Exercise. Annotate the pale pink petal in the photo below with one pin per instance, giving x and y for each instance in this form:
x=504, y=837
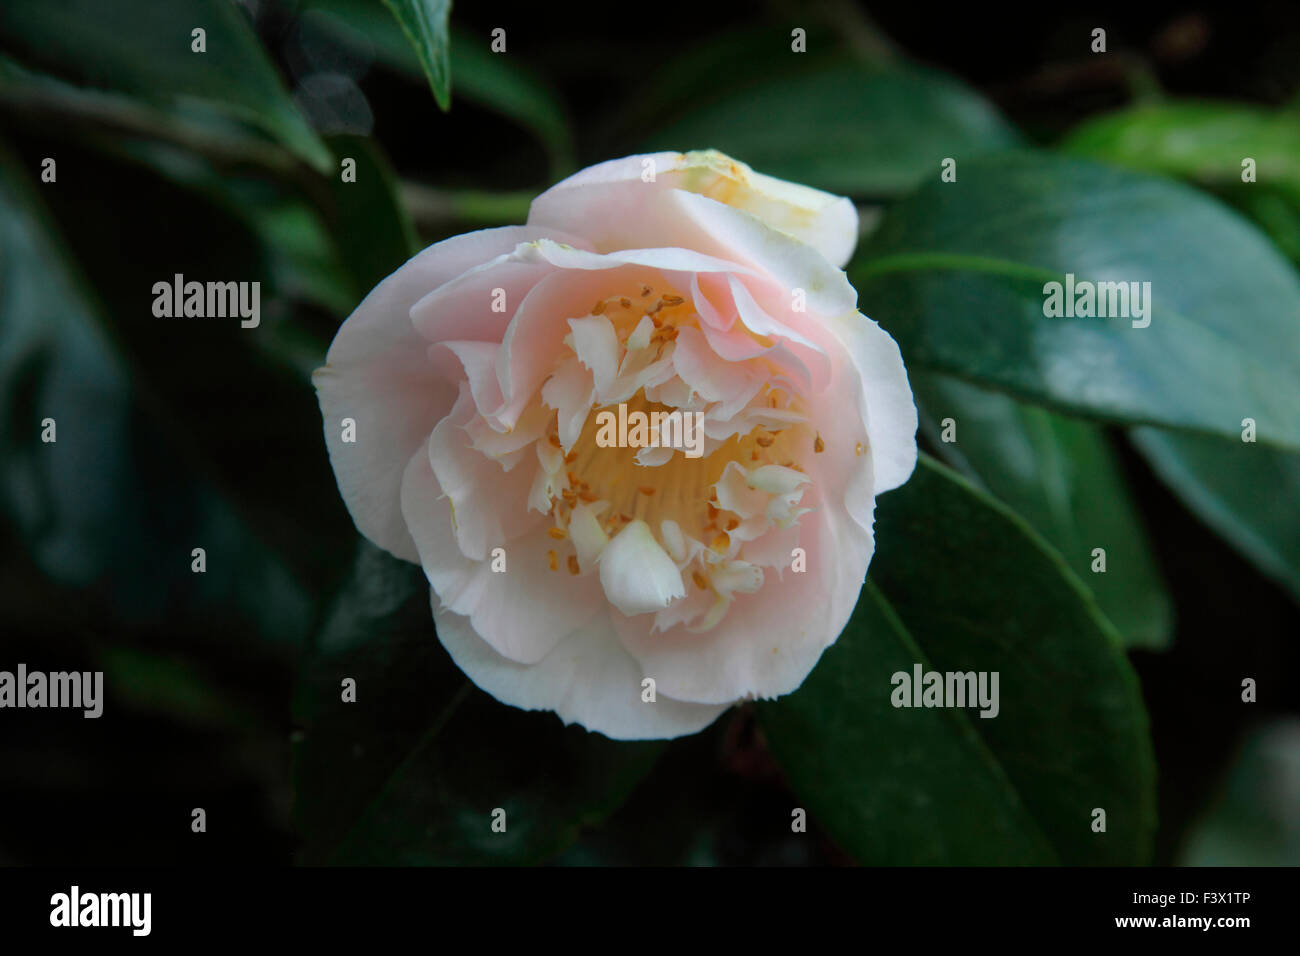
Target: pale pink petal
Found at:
x=596, y=201
x=588, y=679
x=769, y=641
x=489, y=504
x=378, y=373
x=522, y=612
x=887, y=405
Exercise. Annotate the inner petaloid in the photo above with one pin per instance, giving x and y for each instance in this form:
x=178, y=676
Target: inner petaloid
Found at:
x=680, y=532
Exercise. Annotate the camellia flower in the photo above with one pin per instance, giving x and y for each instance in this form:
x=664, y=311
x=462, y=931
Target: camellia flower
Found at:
x=608, y=573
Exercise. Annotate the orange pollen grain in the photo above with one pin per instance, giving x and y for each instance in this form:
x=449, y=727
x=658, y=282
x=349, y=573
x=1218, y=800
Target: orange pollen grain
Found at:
x=559, y=534
x=553, y=560
x=819, y=446
x=573, y=564
x=700, y=580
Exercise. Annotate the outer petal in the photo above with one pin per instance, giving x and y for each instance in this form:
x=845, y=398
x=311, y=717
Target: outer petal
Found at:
x=378, y=373
x=525, y=611
x=582, y=202
x=587, y=679
x=887, y=405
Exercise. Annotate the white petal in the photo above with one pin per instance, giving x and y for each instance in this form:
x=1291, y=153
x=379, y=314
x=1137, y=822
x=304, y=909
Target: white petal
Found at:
x=638, y=575
x=596, y=345
x=589, y=538
x=776, y=479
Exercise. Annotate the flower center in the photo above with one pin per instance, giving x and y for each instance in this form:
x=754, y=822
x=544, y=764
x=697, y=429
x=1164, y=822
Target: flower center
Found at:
x=694, y=531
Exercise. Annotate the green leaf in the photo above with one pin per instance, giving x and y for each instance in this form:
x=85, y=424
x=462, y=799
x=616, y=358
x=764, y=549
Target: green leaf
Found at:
x=425, y=24
x=957, y=273
x=1201, y=141
x=411, y=772
x=846, y=128
x=1247, y=492
x=370, y=225
x=959, y=584
x=1206, y=142
x=1061, y=476
x=112, y=508
x=144, y=49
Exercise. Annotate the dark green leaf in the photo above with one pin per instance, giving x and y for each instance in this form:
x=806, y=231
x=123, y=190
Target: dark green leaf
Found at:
x=144, y=48
x=371, y=227
x=411, y=772
x=1061, y=476
x=957, y=273
x=1247, y=492
x=846, y=128
x=961, y=584
x=425, y=24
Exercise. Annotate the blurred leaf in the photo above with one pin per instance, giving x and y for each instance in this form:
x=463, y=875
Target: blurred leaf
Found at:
x=370, y=225
x=1276, y=214
x=1060, y=475
x=846, y=128
x=957, y=272
x=425, y=24
x=411, y=772
x=148, y=230
x=1247, y=492
x=712, y=67
x=1256, y=821
x=1202, y=141
x=143, y=48
x=124, y=121
x=962, y=584
x=172, y=688
x=497, y=82
x=110, y=508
